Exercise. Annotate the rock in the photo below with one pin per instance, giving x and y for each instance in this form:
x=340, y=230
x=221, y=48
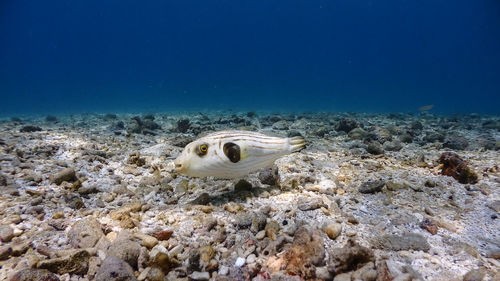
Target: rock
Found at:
x=114, y=269
x=163, y=261
x=163, y=234
x=333, y=230
x=306, y=203
x=431, y=137
x=343, y=277
x=403, y=277
x=349, y=257
x=242, y=185
x=125, y=248
x=456, y=167
x=32, y=274
x=5, y=251
x=151, y=274
x=6, y=233
x=202, y=199
x=494, y=205
x=147, y=240
x=20, y=246
x=455, y=142
x=408, y=241
x=475, y=275
x=357, y=134
x=86, y=190
x=85, y=233
x=375, y=148
x=280, y=125
x=347, y=124
x=67, y=174
x=183, y=125
x=199, y=275
x=30, y=129
x=429, y=225
x=416, y=125
x=269, y=176
x=75, y=263
x=406, y=138
x=394, y=145
x=371, y=186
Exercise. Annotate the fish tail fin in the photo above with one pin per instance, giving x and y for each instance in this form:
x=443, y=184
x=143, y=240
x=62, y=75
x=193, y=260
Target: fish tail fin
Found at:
x=297, y=143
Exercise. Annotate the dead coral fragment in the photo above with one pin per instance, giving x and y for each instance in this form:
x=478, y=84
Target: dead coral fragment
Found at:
x=306, y=252
x=348, y=258
x=456, y=167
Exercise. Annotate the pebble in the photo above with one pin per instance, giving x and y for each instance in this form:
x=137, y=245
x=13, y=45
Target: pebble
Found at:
x=125, y=248
x=147, y=240
x=223, y=270
x=67, y=174
x=32, y=274
x=239, y=262
x=333, y=230
x=251, y=258
x=199, y=275
x=5, y=251
x=371, y=186
x=260, y=235
x=407, y=241
x=85, y=233
x=307, y=204
x=75, y=263
x=6, y=233
x=113, y=268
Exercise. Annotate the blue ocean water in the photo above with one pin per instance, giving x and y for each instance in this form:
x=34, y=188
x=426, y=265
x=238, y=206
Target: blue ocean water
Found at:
x=65, y=56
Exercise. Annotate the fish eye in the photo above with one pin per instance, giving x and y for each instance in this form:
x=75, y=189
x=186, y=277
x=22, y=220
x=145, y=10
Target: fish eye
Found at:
x=203, y=149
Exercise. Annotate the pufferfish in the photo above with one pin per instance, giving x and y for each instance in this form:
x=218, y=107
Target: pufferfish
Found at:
x=233, y=154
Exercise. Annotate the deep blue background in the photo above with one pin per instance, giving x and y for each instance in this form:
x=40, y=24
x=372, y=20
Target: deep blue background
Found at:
x=345, y=55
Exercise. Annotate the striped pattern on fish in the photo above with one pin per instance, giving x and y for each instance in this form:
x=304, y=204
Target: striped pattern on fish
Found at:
x=233, y=154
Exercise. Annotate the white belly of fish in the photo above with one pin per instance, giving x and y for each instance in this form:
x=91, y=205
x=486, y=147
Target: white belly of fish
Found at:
x=233, y=154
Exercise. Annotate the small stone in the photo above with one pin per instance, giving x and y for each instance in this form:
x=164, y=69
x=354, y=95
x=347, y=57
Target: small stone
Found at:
x=202, y=199
x=85, y=233
x=147, y=240
x=20, y=247
x=239, y=262
x=333, y=230
x=114, y=269
x=260, y=235
x=475, y=275
x=408, y=241
x=307, y=204
x=494, y=205
x=163, y=235
x=371, y=186
x=223, y=270
x=58, y=215
x=269, y=176
x=6, y=233
x=202, y=276
x=5, y=251
x=67, y=174
x=403, y=277
x=242, y=185
x=347, y=124
x=125, y=248
x=32, y=274
x=75, y=263
x=251, y=258
x=375, y=148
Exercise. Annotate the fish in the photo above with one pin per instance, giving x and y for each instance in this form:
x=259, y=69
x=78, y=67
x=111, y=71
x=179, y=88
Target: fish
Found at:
x=426, y=107
x=234, y=154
